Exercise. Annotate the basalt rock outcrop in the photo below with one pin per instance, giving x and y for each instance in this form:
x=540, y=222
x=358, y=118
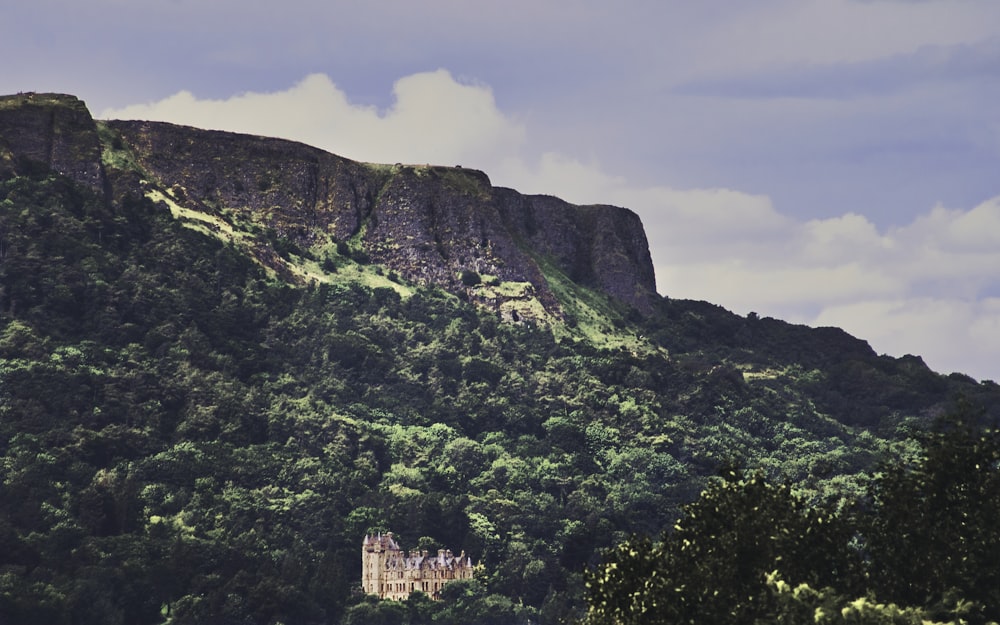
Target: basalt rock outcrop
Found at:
x=52, y=130
x=430, y=225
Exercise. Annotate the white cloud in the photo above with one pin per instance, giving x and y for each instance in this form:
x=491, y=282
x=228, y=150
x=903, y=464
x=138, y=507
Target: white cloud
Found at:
x=924, y=288
x=959, y=232
x=435, y=119
x=951, y=334
x=919, y=288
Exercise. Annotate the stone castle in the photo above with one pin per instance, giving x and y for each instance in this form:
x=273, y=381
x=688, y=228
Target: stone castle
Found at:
x=390, y=573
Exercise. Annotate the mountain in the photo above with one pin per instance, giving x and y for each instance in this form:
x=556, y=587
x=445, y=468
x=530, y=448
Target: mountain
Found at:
x=225, y=359
x=428, y=224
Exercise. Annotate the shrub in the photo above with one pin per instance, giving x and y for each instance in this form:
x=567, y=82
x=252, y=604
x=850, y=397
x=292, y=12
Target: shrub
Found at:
x=470, y=278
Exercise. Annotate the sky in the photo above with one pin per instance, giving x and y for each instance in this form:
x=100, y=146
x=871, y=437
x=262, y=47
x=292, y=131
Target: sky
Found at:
x=826, y=162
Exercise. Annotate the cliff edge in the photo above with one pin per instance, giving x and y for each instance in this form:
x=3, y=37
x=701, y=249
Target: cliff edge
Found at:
x=444, y=226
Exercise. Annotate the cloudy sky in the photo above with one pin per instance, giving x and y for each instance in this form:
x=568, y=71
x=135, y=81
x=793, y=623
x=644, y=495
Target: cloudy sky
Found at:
x=829, y=162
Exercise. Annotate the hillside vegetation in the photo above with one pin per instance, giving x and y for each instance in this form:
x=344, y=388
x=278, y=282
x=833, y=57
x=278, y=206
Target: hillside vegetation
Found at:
x=921, y=547
x=188, y=436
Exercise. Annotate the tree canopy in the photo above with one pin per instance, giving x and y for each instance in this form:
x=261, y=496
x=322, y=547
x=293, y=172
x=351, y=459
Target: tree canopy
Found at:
x=921, y=546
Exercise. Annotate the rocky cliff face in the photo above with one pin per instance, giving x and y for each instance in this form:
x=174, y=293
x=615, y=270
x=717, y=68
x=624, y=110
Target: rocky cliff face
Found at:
x=428, y=224
x=53, y=130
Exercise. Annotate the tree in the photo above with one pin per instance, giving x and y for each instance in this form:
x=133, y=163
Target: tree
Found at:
x=750, y=551
x=470, y=278
x=371, y=611
x=804, y=604
x=467, y=602
x=933, y=533
x=712, y=566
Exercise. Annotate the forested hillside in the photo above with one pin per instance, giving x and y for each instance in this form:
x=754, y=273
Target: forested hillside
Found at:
x=920, y=547
x=188, y=436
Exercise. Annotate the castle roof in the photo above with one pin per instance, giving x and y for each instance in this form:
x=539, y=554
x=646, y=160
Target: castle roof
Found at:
x=385, y=541
x=414, y=560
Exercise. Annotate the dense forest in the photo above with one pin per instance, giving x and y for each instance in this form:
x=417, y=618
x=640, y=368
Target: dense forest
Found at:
x=187, y=437
x=920, y=547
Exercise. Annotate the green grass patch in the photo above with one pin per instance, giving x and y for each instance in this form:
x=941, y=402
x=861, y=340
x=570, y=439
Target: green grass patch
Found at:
x=463, y=181
x=203, y=222
x=115, y=153
x=491, y=288
x=39, y=99
x=589, y=314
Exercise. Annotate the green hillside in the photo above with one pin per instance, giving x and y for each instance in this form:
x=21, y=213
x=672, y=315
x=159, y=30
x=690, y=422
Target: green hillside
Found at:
x=187, y=436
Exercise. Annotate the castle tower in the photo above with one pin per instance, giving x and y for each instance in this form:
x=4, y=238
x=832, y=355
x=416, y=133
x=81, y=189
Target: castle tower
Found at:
x=377, y=551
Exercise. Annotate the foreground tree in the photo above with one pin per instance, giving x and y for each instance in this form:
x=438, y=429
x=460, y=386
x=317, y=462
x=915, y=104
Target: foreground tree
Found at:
x=933, y=536
x=924, y=549
x=712, y=566
x=804, y=604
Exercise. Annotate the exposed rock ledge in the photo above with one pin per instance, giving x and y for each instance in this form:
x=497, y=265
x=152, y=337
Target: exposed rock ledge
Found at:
x=427, y=223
